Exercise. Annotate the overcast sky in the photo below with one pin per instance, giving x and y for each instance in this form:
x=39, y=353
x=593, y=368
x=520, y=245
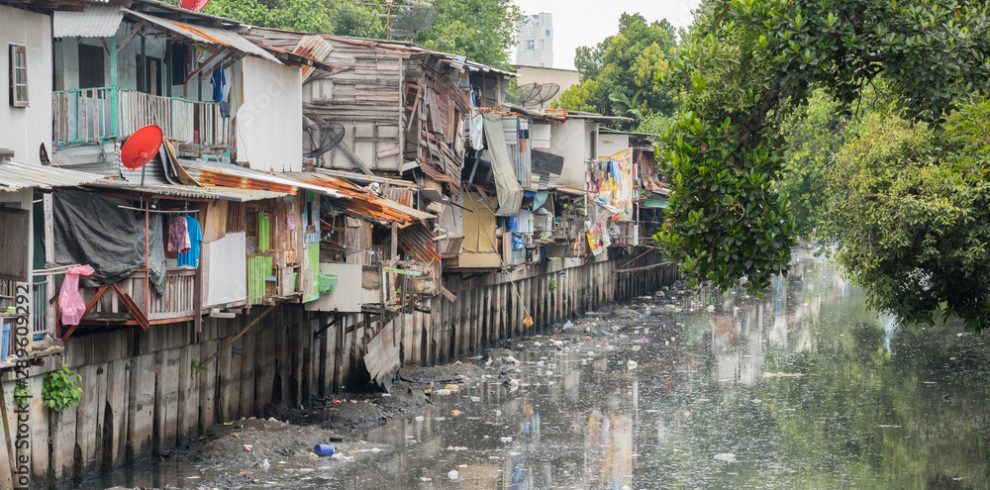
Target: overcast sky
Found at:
x=587, y=22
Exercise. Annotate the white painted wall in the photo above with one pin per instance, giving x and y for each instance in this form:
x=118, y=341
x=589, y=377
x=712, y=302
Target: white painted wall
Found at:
x=269, y=120
x=575, y=141
x=611, y=143
x=25, y=129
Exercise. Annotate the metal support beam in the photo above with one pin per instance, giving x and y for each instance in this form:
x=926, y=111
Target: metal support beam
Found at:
x=114, y=89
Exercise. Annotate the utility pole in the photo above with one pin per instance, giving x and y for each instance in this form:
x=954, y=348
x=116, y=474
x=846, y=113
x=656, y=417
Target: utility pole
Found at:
x=388, y=18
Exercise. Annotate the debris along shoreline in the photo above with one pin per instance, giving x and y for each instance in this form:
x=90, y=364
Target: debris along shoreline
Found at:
x=250, y=451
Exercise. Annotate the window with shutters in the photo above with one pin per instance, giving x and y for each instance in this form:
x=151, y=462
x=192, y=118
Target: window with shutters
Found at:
x=18, y=76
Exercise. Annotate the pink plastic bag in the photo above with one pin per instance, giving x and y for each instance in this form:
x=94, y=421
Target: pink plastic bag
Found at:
x=69, y=300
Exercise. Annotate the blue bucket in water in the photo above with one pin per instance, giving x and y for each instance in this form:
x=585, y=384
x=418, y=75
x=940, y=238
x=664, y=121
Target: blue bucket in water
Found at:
x=5, y=341
x=324, y=450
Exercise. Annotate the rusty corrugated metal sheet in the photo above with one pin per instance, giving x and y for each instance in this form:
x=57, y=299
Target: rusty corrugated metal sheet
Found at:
x=96, y=21
x=401, y=195
x=228, y=175
x=417, y=241
x=205, y=35
x=314, y=48
x=362, y=202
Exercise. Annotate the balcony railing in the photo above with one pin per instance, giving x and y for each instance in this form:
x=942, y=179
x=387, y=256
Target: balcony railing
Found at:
x=628, y=234
x=39, y=308
x=85, y=116
x=38, y=305
x=175, y=304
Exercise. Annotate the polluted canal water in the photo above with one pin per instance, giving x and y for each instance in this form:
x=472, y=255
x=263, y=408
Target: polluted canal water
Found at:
x=802, y=388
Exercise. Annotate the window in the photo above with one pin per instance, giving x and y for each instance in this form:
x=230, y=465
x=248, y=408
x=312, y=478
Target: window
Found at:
x=91, y=66
x=531, y=45
x=18, y=76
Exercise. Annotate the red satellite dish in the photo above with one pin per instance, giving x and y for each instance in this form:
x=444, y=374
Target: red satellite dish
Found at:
x=194, y=5
x=141, y=147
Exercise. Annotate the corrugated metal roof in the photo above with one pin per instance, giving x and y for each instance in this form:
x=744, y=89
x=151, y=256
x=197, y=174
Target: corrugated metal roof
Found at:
x=15, y=176
x=228, y=175
x=205, y=35
x=362, y=202
x=188, y=191
x=315, y=48
x=478, y=67
x=365, y=178
x=96, y=21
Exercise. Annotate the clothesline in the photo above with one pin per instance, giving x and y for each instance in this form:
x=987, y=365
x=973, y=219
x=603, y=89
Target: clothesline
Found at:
x=160, y=211
x=62, y=269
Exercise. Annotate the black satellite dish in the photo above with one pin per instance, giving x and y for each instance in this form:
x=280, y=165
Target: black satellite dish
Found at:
x=323, y=136
x=523, y=94
x=547, y=92
x=412, y=20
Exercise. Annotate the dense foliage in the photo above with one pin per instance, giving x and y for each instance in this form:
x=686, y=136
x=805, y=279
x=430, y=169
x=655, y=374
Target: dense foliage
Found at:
x=746, y=61
x=623, y=75
x=299, y=15
x=482, y=30
x=912, y=208
x=812, y=135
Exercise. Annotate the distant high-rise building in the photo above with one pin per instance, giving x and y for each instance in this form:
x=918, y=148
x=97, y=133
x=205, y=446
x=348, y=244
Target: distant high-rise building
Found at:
x=535, y=41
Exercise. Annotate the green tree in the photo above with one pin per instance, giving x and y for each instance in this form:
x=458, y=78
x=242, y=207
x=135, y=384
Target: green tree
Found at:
x=350, y=18
x=482, y=30
x=913, y=202
x=623, y=75
x=298, y=15
x=812, y=134
x=745, y=61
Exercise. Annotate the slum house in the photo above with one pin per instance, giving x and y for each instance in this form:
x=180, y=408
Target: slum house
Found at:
x=391, y=117
x=652, y=192
x=146, y=388
x=142, y=299
x=508, y=172
x=359, y=105
x=25, y=135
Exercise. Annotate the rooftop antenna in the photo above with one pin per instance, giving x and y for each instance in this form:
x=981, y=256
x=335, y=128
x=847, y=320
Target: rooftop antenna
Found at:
x=525, y=92
x=408, y=21
x=547, y=92
x=535, y=94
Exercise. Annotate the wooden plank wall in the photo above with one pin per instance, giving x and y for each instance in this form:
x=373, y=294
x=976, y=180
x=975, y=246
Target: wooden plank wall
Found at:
x=146, y=394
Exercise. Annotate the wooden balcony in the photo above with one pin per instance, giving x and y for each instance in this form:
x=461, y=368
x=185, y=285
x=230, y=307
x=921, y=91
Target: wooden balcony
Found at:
x=175, y=305
x=86, y=116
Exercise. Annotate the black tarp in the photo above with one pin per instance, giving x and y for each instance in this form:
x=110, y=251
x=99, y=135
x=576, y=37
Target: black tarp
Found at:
x=93, y=229
x=547, y=163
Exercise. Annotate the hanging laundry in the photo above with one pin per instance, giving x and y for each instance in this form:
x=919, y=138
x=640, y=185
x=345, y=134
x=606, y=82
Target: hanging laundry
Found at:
x=263, y=232
x=218, y=80
x=178, y=235
x=190, y=259
x=477, y=132
x=70, y=302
